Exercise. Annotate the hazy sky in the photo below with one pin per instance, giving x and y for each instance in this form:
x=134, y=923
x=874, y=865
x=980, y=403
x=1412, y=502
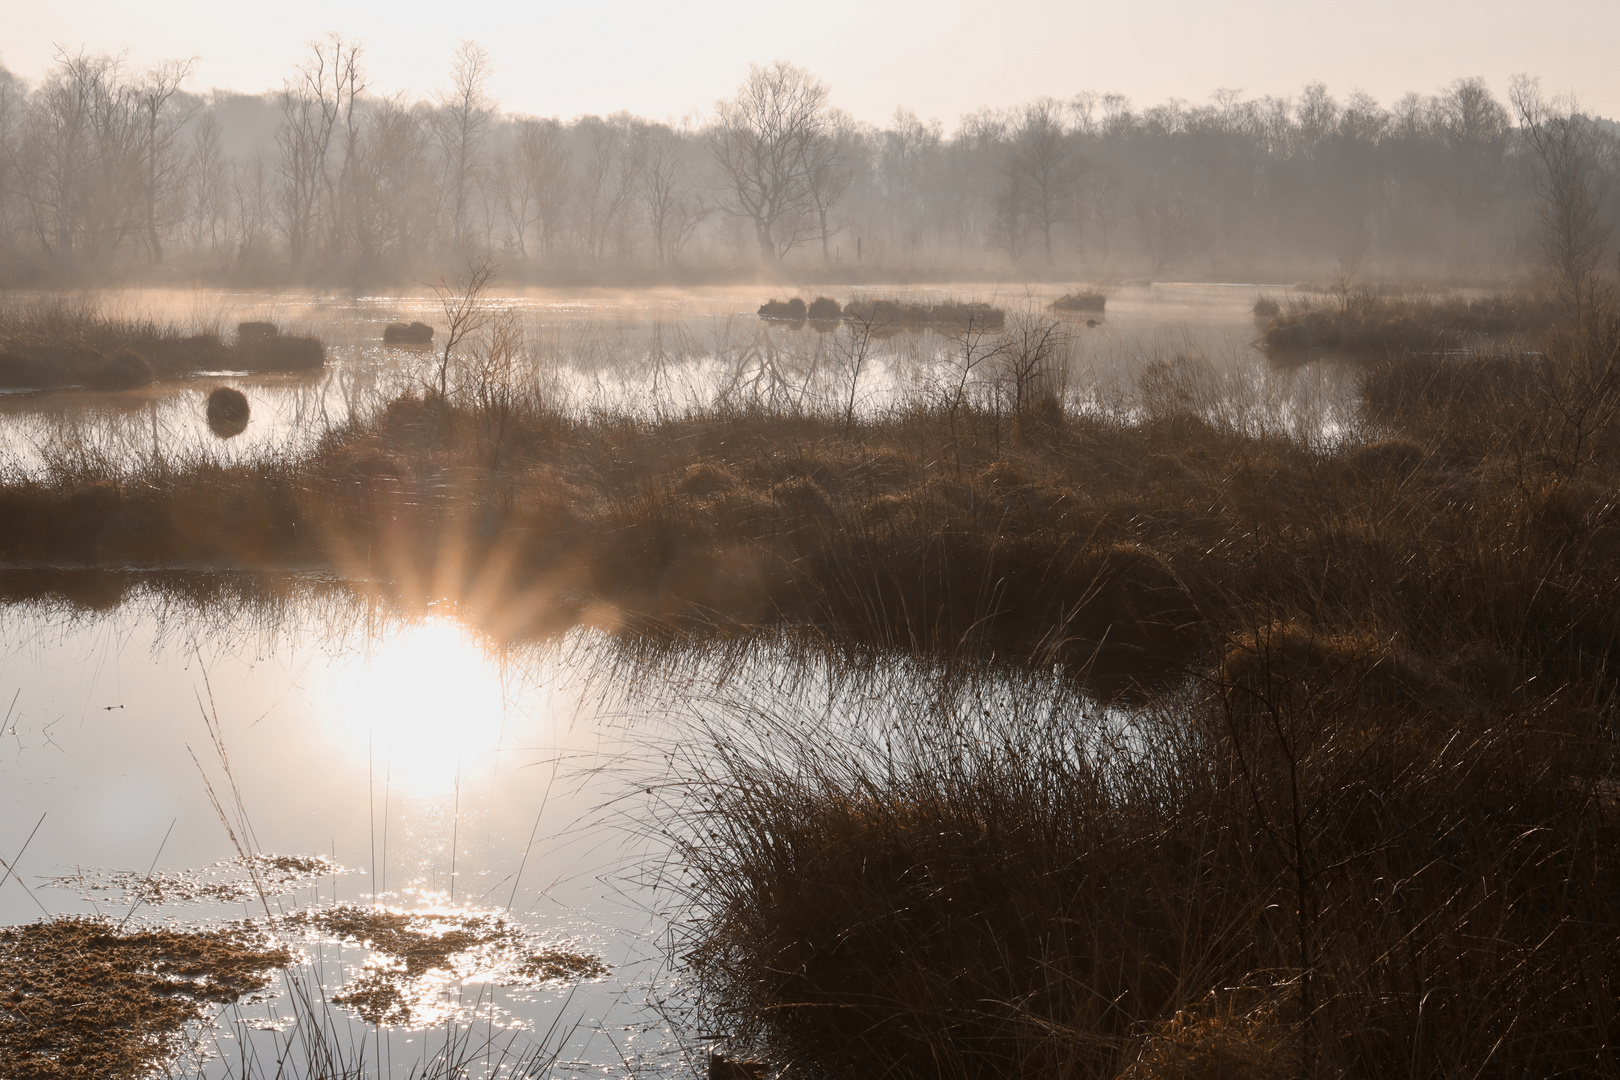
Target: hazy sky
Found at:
x=941, y=58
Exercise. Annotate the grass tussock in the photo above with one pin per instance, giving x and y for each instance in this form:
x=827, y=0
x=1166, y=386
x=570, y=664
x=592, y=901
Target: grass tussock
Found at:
x=415, y=333
x=88, y=1000
x=889, y=315
x=1369, y=324
x=57, y=343
x=1312, y=874
x=1083, y=300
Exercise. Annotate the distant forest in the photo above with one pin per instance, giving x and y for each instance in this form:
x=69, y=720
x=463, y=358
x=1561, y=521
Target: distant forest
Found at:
x=113, y=174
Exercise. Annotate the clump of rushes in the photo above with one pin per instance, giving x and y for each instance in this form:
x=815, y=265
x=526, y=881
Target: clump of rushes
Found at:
x=1006, y=879
x=57, y=343
x=1087, y=300
x=1367, y=324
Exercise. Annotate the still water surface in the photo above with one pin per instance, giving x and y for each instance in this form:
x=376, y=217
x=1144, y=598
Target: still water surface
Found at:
x=644, y=351
x=432, y=773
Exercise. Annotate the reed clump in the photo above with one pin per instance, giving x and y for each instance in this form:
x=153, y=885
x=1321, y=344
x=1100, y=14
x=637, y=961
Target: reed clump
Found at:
x=415, y=333
x=891, y=315
x=1086, y=300
x=1336, y=881
x=1365, y=323
x=58, y=343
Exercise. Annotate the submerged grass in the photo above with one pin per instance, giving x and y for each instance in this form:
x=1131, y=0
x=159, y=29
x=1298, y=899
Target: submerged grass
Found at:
x=410, y=949
x=85, y=999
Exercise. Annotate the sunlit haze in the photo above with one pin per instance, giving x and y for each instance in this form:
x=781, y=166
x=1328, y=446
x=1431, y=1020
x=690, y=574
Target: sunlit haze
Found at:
x=565, y=57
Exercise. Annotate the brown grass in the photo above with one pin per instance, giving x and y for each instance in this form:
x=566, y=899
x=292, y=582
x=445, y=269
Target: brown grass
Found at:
x=1363, y=323
x=55, y=343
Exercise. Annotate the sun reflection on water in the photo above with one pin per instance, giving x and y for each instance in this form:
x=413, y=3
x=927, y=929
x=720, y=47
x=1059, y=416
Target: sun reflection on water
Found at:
x=424, y=707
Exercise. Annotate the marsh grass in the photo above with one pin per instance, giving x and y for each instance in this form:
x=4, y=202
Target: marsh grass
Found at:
x=60, y=342
x=1366, y=323
x=1294, y=874
x=1082, y=300
x=990, y=510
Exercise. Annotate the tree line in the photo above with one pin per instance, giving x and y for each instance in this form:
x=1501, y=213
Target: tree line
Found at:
x=108, y=172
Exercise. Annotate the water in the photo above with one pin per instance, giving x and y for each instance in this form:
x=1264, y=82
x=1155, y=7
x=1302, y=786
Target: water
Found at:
x=645, y=351
x=429, y=772
x=401, y=760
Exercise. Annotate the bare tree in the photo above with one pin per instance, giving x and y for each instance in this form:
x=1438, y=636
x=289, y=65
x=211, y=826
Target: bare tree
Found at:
x=1571, y=186
x=207, y=182
x=252, y=199
x=534, y=184
x=390, y=184
x=461, y=297
x=321, y=94
x=463, y=123
x=160, y=169
x=608, y=178
x=827, y=174
x=80, y=165
x=764, y=142
x=1041, y=171
x=672, y=210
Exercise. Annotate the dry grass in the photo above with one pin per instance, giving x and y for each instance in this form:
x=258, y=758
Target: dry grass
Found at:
x=53, y=343
x=1353, y=810
x=1085, y=300
x=1332, y=880
x=1475, y=511
x=1365, y=324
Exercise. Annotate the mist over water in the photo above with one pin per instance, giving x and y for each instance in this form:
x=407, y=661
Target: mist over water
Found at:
x=648, y=353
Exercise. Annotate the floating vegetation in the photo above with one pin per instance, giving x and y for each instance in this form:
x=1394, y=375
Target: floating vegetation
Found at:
x=418, y=957
x=1090, y=300
x=416, y=333
x=230, y=881
x=82, y=998
x=883, y=314
x=891, y=315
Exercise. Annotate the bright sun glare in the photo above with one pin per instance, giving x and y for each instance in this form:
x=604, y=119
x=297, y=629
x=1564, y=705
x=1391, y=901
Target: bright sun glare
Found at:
x=426, y=705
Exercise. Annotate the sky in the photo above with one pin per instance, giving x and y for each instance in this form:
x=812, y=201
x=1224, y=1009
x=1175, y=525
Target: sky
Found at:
x=942, y=59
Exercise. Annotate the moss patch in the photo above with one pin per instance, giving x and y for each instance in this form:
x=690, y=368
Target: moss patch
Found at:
x=82, y=999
